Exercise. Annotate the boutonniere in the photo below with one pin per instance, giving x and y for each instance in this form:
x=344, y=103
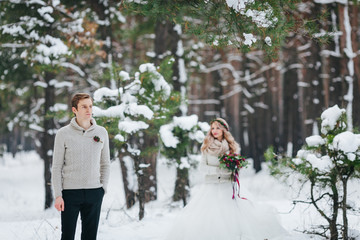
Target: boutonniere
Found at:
x=97, y=139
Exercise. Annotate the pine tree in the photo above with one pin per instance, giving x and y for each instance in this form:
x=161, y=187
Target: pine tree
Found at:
x=180, y=145
x=133, y=115
x=327, y=163
x=37, y=33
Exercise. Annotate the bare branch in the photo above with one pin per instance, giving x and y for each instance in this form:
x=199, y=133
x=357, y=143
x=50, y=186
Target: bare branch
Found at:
x=315, y=203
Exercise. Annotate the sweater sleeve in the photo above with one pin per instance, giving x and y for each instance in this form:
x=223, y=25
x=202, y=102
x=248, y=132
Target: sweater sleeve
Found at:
x=105, y=163
x=57, y=164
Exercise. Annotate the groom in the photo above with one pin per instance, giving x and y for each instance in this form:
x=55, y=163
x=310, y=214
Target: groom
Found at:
x=80, y=171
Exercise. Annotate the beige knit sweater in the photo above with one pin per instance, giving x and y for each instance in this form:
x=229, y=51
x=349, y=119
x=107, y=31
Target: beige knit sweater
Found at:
x=80, y=162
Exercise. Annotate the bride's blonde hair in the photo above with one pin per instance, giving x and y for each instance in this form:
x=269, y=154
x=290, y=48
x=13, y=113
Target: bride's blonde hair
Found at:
x=223, y=125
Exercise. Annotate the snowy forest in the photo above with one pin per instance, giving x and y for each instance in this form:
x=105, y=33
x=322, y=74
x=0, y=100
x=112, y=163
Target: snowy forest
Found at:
x=284, y=74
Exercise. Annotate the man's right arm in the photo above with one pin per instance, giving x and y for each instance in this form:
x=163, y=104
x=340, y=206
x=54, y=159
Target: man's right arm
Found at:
x=59, y=204
x=57, y=164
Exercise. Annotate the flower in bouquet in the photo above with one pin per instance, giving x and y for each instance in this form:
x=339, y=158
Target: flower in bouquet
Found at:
x=233, y=162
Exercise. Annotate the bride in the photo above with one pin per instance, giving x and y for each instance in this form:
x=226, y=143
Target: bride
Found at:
x=212, y=214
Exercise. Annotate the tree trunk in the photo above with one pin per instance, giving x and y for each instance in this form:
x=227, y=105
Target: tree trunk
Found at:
x=130, y=195
x=141, y=186
x=182, y=185
x=101, y=8
x=333, y=229
x=167, y=39
x=291, y=104
x=354, y=18
x=149, y=173
x=47, y=138
x=344, y=210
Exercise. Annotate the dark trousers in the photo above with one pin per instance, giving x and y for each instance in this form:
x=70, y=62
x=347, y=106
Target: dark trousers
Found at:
x=87, y=202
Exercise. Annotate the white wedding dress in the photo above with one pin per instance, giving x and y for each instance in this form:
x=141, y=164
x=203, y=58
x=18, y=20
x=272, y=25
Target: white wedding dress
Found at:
x=212, y=214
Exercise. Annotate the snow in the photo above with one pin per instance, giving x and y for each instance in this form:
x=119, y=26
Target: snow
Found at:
x=124, y=75
x=151, y=54
x=118, y=111
x=59, y=107
x=167, y=136
x=118, y=15
x=303, y=84
x=119, y=137
x=177, y=28
x=187, y=123
x=143, y=165
x=249, y=39
x=260, y=18
x=184, y=163
x=297, y=161
x=36, y=127
x=182, y=71
x=350, y=65
x=322, y=163
x=314, y=141
x=58, y=84
x=158, y=80
x=180, y=49
x=197, y=136
x=249, y=108
x=268, y=41
x=302, y=153
x=56, y=48
x=55, y=3
x=329, y=118
x=238, y=4
x=100, y=93
x=13, y=30
x=147, y=67
x=289, y=149
x=347, y=142
x=36, y=2
x=73, y=67
x=44, y=12
x=330, y=1
x=180, y=53
x=114, y=111
x=135, y=110
x=130, y=126
x=40, y=84
x=204, y=126
x=22, y=199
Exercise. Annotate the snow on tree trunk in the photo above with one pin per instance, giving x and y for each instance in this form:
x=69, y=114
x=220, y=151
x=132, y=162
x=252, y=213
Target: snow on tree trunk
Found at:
x=349, y=52
x=129, y=178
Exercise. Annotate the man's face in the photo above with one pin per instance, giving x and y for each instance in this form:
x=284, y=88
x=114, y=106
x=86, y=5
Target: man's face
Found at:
x=84, y=109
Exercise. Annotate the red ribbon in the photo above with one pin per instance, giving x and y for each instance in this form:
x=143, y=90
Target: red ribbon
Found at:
x=236, y=185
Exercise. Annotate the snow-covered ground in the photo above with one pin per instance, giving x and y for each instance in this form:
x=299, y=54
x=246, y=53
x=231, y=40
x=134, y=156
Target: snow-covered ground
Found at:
x=22, y=199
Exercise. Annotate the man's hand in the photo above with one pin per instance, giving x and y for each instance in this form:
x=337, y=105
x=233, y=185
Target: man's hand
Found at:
x=59, y=204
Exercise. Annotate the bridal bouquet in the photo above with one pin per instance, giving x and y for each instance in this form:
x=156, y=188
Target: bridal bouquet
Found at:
x=233, y=162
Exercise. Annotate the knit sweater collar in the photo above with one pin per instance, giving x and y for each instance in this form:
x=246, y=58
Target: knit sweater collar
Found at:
x=77, y=127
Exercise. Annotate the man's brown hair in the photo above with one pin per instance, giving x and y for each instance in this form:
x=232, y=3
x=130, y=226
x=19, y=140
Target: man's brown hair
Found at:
x=77, y=97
